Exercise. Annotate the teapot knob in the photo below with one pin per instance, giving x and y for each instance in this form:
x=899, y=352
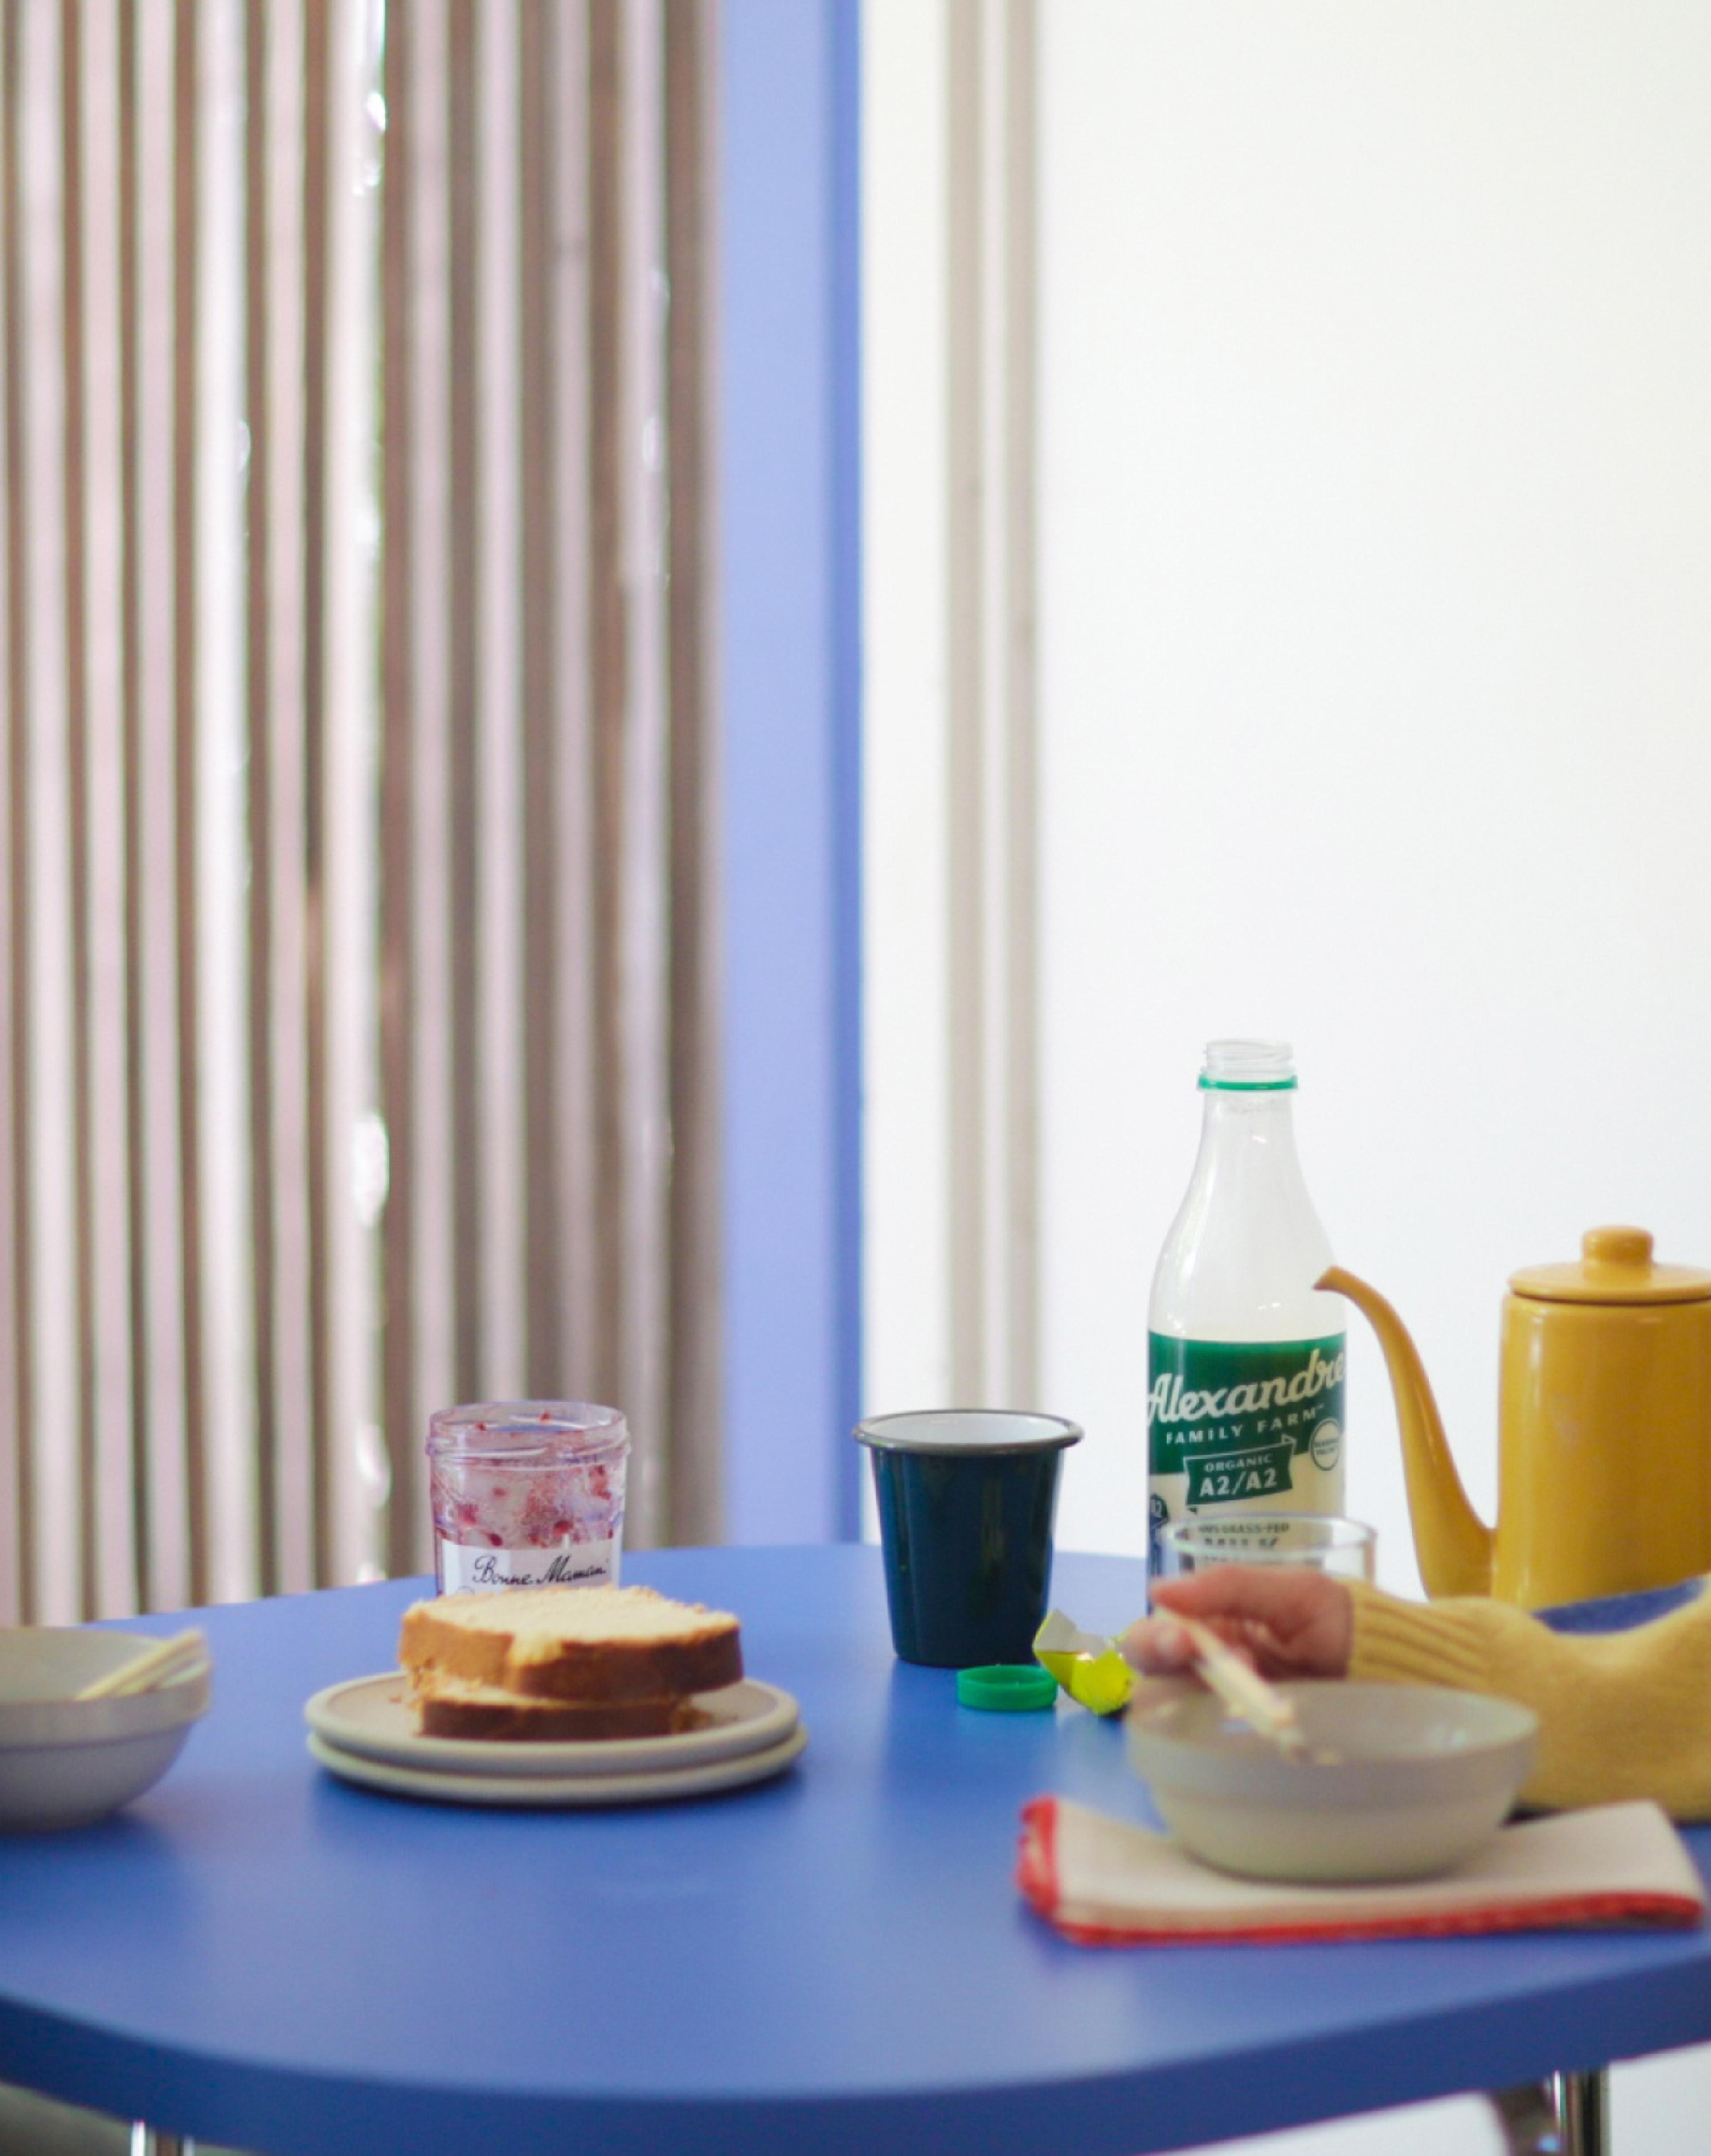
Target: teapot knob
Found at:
x=1617, y=1246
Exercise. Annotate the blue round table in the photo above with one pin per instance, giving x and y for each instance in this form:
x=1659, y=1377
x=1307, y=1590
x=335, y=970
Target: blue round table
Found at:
x=257, y=1954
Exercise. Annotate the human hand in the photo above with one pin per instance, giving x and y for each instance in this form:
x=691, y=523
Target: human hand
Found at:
x=1286, y=1620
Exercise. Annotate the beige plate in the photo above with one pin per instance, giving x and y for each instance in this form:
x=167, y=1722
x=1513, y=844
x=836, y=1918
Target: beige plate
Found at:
x=659, y=1785
x=370, y=1716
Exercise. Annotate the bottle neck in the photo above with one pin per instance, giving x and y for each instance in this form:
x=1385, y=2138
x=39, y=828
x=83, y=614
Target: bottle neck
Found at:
x=1247, y=1157
x=1249, y=1219
x=1246, y=1248
x=1263, y=1120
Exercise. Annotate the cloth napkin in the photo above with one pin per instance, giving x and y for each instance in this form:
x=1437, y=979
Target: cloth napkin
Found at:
x=1104, y=1881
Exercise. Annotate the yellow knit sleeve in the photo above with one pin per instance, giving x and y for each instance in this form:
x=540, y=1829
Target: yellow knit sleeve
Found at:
x=1622, y=1714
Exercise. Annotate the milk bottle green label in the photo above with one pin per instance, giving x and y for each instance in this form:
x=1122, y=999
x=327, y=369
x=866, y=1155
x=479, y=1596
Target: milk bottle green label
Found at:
x=1256, y=1425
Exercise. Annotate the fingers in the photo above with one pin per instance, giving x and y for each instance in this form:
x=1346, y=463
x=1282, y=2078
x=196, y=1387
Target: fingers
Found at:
x=1157, y=1648
x=1283, y=1598
x=1284, y=1619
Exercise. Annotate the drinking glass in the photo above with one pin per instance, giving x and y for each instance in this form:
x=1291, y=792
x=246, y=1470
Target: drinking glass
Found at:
x=1324, y=1542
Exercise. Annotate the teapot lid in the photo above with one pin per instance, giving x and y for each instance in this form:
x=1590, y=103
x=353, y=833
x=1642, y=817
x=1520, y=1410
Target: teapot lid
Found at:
x=1615, y=1266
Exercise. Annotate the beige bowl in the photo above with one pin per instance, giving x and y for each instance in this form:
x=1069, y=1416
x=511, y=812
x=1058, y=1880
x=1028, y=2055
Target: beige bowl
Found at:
x=64, y=1762
x=1414, y=1779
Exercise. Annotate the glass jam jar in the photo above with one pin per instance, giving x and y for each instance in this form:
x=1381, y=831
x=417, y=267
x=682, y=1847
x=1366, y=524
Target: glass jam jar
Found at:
x=527, y=1493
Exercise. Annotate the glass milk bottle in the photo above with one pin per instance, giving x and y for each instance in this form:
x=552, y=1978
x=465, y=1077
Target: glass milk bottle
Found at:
x=1245, y=1358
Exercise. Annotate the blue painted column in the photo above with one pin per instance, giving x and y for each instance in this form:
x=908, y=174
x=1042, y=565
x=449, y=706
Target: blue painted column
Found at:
x=790, y=567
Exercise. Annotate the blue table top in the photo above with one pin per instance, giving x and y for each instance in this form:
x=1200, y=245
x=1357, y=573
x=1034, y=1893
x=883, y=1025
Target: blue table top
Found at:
x=259, y=1955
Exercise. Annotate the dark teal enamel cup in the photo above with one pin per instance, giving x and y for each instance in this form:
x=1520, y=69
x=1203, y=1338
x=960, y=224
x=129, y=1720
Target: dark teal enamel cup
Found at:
x=967, y=1499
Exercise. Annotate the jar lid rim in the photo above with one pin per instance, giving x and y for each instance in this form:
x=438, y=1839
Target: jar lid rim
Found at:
x=511, y=1430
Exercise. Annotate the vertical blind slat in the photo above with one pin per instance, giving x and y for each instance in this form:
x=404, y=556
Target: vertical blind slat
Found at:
x=1017, y=337
x=16, y=1537
x=692, y=1334
x=537, y=409
x=318, y=1494
x=645, y=929
x=398, y=796
x=131, y=755
x=286, y=986
x=992, y=1195
x=259, y=345
x=54, y=1434
x=353, y=1173
x=463, y=595
x=213, y=594
x=166, y=1408
x=434, y=1198
x=502, y=1023
x=74, y=480
x=8, y=1519
x=608, y=669
x=967, y=774
x=186, y=879
x=573, y=985
x=111, y=1495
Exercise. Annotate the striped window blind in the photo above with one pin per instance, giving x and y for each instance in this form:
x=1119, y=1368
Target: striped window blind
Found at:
x=358, y=1044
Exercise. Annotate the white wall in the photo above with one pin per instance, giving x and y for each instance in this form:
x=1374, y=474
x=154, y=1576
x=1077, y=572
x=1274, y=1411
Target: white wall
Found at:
x=1376, y=529
x=1376, y=670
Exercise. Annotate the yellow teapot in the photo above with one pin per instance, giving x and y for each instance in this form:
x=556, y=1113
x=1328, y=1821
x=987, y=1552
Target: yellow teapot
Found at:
x=1604, y=1432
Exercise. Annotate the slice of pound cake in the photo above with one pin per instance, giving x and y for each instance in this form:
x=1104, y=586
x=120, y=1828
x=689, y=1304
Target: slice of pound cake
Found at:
x=587, y=1645
x=452, y=1707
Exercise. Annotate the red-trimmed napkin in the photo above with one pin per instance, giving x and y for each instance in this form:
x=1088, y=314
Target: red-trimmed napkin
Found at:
x=1103, y=1881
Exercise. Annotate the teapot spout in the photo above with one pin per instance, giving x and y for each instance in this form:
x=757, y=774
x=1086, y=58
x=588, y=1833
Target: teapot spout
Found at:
x=1454, y=1544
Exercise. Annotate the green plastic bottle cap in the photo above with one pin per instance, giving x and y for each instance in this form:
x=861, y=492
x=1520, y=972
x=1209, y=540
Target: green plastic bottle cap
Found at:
x=1007, y=1687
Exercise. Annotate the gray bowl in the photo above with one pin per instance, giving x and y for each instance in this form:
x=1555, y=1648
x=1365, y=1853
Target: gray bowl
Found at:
x=1414, y=1780
x=64, y=1762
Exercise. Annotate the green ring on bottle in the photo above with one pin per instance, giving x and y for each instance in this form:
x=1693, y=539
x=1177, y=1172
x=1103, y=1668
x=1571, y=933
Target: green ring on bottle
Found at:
x=1246, y=1084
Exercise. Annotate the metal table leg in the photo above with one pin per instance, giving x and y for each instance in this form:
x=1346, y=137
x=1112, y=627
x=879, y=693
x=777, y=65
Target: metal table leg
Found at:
x=1565, y=2115
x=1583, y=2105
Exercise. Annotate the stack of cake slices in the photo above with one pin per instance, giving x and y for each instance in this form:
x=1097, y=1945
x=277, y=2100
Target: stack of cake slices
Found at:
x=558, y=1664
x=558, y=1696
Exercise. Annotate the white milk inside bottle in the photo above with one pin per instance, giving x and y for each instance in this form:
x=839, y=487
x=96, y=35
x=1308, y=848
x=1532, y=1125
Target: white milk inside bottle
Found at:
x=1245, y=1357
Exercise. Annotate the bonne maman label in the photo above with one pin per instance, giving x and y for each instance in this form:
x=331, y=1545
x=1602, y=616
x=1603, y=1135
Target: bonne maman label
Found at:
x=481, y=1570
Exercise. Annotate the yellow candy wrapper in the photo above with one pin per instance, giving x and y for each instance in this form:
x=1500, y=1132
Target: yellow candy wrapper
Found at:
x=1089, y=1668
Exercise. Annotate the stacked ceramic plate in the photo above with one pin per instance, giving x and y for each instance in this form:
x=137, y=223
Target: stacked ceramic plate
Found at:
x=364, y=1730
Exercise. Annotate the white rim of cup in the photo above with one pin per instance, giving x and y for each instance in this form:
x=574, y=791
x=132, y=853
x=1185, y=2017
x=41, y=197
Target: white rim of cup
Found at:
x=892, y=1432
